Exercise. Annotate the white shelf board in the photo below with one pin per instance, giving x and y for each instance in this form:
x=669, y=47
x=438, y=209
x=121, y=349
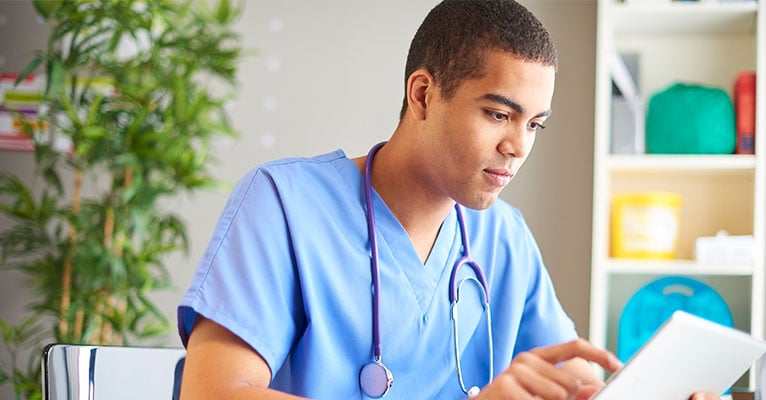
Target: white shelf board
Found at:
x=668, y=17
x=674, y=267
x=681, y=162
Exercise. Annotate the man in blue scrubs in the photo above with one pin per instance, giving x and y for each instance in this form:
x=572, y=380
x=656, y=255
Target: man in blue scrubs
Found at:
x=281, y=302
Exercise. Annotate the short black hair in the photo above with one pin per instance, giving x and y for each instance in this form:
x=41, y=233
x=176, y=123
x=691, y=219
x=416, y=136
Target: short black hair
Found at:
x=455, y=35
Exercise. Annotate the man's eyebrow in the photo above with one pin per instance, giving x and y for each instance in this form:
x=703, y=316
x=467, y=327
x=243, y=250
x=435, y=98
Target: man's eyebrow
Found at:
x=496, y=98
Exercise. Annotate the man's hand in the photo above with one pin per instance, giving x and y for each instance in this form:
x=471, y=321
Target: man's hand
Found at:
x=536, y=375
x=704, y=396
x=558, y=372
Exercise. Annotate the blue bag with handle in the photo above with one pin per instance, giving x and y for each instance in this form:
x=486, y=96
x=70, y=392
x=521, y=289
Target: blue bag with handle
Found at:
x=655, y=302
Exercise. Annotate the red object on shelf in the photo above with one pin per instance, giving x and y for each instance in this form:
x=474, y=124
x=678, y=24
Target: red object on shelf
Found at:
x=744, y=106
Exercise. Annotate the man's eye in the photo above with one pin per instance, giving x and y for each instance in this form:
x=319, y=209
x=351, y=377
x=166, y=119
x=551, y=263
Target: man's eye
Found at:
x=537, y=126
x=497, y=116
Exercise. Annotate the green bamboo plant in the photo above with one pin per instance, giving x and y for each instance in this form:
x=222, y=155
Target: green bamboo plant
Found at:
x=134, y=90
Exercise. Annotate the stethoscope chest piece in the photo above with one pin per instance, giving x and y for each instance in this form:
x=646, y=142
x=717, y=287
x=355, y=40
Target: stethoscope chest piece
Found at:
x=375, y=379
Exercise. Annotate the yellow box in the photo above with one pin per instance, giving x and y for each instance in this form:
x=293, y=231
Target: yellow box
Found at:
x=645, y=224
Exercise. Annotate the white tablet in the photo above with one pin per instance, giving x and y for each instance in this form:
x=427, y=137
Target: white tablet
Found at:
x=687, y=354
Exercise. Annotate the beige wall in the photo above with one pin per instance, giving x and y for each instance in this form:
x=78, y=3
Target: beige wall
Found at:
x=328, y=74
x=555, y=186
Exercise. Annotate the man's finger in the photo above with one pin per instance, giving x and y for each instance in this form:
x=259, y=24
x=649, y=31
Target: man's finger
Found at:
x=586, y=391
x=578, y=348
x=541, y=377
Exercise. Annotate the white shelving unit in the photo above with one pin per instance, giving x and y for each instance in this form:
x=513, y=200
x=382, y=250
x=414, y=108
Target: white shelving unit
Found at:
x=706, y=42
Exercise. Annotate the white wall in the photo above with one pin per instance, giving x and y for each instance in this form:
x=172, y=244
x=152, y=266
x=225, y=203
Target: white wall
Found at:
x=329, y=74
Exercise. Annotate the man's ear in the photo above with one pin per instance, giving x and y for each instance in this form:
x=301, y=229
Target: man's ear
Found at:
x=421, y=88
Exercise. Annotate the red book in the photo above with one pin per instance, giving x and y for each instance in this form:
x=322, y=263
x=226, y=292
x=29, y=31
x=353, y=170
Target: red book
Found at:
x=744, y=106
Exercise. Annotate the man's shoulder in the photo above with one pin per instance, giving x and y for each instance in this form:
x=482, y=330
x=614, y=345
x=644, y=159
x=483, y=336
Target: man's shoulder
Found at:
x=295, y=167
x=301, y=180
x=301, y=162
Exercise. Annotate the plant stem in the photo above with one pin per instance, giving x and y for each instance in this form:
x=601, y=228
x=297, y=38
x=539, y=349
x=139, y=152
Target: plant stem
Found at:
x=109, y=223
x=103, y=331
x=66, y=278
x=79, y=320
x=122, y=308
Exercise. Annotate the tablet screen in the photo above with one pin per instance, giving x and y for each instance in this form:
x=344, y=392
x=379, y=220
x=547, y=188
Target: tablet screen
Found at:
x=687, y=354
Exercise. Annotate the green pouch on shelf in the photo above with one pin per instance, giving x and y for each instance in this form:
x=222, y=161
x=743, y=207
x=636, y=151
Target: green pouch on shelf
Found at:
x=690, y=119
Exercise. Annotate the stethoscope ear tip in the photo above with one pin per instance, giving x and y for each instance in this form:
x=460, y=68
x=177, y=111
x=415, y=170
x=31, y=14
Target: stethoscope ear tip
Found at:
x=473, y=392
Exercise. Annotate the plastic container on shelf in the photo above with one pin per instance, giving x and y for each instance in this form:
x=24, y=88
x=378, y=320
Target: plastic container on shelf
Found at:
x=645, y=225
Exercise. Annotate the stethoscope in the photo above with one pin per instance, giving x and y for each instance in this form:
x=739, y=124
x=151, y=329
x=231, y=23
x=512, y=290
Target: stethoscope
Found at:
x=375, y=379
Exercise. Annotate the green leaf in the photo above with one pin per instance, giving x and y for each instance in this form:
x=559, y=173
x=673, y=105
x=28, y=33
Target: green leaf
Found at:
x=46, y=8
x=50, y=174
x=95, y=109
x=21, y=203
x=6, y=330
x=223, y=11
x=56, y=77
x=94, y=132
x=31, y=67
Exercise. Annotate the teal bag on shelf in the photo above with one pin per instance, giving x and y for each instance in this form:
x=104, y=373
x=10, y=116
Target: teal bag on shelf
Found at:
x=690, y=119
x=655, y=302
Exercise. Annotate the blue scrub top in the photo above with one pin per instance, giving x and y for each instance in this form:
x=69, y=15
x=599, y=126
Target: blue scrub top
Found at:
x=288, y=271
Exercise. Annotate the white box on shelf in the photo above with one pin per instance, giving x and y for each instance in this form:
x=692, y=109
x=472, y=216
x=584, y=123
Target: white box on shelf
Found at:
x=644, y=2
x=724, y=248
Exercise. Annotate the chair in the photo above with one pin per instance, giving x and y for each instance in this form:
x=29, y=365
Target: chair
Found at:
x=83, y=372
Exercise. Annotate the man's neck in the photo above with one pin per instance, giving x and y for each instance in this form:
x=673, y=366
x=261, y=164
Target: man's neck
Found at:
x=416, y=209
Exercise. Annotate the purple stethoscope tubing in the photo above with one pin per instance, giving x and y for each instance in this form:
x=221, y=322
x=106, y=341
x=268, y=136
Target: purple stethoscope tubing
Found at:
x=466, y=259
x=376, y=349
x=375, y=379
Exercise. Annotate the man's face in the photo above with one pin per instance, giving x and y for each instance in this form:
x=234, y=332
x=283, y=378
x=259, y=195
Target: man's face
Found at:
x=476, y=141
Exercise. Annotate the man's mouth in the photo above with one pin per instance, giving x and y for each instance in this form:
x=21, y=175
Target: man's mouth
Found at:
x=499, y=177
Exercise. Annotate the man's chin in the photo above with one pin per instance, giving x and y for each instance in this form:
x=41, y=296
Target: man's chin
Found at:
x=481, y=203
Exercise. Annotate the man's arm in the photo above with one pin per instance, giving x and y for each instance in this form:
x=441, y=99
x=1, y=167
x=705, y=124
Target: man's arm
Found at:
x=220, y=365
